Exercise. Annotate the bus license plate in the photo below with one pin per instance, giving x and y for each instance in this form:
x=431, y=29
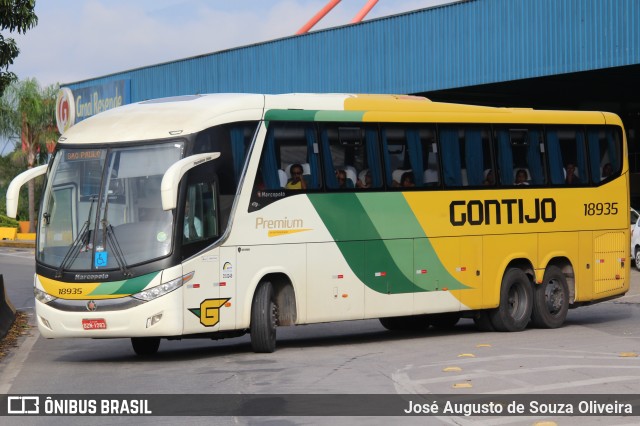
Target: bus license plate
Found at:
x=94, y=324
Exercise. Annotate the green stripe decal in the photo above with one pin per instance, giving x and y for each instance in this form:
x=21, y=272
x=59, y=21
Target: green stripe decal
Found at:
x=344, y=116
x=289, y=115
x=130, y=286
x=382, y=242
x=313, y=115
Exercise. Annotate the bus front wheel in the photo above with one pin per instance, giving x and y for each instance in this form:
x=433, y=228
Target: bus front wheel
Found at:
x=145, y=346
x=550, y=300
x=516, y=302
x=263, y=319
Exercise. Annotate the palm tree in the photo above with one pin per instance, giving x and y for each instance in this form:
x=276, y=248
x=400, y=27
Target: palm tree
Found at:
x=27, y=115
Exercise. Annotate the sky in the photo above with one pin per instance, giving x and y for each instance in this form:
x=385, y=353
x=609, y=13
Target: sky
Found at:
x=77, y=40
x=81, y=39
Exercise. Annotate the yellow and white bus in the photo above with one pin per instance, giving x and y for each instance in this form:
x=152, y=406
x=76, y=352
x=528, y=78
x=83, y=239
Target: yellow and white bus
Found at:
x=216, y=215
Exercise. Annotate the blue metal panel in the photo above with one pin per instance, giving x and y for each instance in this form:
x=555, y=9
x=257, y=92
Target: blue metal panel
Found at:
x=461, y=44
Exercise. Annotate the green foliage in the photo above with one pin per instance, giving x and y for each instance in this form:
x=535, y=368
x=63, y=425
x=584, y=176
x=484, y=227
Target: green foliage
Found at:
x=28, y=115
x=27, y=118
x=7, y=222
x=10, y=168
x=15, y=16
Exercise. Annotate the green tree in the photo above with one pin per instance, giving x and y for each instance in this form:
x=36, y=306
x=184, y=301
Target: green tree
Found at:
x=18, y=16
x=28, y=118
x=10, y=166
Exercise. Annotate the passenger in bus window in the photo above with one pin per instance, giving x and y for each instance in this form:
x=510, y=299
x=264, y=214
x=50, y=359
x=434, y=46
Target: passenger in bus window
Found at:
x=407, y=180
x=607, y=171
x=366, y=181
x=490, y=178
x=296, y=181
x=571, y=178
x=343, y=182
x=192, y=225
x=521, y=177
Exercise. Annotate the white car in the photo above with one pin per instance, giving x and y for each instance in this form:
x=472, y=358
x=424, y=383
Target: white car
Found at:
x=635, y=243
x=634, y=217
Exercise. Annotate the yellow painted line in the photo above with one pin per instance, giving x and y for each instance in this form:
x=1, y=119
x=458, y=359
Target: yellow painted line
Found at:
x=546, y=423
x=628, y=355
x=466, y=356
x=449, y=369
x=483, y=345
x=461, y=385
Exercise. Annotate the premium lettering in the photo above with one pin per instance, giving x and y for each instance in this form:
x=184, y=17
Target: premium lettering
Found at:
x=498, y=212
x=286, y=223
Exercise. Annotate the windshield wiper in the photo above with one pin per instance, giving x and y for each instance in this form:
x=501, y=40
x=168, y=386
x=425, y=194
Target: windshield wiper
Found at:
x=82, y=240
x=109, y=239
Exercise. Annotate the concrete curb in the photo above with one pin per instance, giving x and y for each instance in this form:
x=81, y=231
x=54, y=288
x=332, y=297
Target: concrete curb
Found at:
x=7, y=311
x=18, y=243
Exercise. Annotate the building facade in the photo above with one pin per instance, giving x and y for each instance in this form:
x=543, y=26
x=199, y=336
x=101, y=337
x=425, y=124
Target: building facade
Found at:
x=552, y=54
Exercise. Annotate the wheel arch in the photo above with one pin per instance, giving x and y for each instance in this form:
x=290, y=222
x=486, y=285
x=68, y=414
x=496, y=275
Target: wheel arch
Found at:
x=525, y=265
x=284, y=295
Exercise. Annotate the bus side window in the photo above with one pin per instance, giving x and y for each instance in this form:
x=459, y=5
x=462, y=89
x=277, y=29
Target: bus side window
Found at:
x=566, y=155
x=193, y=213
x=351, y=151
x=466, y=154
x=410, y=151
x=286, y=145
x=431, y=174
x=520, y=153
x=604, y=152
x=201, y=221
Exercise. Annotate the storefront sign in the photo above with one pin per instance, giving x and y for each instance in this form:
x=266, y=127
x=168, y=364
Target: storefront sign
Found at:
x=74, y=106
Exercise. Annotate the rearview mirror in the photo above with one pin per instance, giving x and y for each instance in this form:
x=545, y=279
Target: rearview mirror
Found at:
x=13, y=192
x=171, y=178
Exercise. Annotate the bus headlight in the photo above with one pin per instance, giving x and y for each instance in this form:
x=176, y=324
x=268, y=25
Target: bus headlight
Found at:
x=42, y=296
x=162, y=289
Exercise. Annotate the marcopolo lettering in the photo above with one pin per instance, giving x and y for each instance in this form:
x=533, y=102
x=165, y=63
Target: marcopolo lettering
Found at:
x=497, y=212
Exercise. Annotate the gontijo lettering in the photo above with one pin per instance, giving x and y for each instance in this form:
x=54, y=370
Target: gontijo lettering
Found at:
x=512, y=210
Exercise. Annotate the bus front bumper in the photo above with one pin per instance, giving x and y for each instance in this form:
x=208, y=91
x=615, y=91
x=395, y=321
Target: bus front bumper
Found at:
x=159, y=317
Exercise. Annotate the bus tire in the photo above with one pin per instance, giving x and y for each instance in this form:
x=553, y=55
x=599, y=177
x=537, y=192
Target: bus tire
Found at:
x=482, y=321
x=516, y=302
x=263, y=319
x=145, y=346
x=550, y=300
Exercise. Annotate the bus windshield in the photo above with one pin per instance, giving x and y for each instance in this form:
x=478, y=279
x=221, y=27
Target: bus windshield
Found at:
x=102, y=207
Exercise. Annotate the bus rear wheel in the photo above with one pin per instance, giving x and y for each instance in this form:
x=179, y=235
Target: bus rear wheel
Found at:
x=482, y=320
x=516, y=302
x=550, y=300
x=145, y=346
x=263, y=319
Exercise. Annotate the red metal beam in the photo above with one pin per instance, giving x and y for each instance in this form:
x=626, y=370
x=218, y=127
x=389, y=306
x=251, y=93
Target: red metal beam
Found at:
x=318, y=16
x=363, y=12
